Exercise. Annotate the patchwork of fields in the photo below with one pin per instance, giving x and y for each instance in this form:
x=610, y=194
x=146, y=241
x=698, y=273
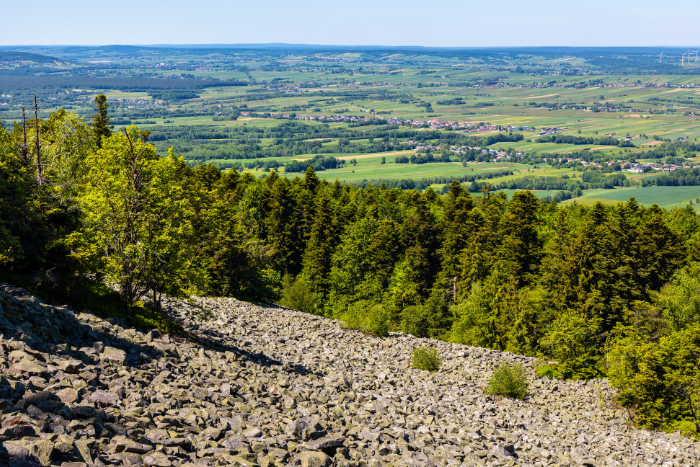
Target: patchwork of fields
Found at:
x=665, y=196
x=214, y=122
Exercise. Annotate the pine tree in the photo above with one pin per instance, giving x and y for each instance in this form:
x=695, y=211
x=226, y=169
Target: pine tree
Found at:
x=659, y=249
x=521, y=246
x=282, y=226
x=311, y=181
x=322, y=242
x=101, y=123
x=457, y=230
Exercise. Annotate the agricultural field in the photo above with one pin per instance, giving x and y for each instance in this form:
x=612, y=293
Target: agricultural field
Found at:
x=664, y=196
x=237, y=107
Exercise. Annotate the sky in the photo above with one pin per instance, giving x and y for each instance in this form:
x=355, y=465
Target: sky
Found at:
x=442, y=23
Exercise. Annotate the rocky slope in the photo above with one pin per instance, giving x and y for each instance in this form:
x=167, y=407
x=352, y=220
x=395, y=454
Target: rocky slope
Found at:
x=269, y=386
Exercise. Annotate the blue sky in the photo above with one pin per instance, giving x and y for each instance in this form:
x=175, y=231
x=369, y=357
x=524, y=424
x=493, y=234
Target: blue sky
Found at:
x=446, y=23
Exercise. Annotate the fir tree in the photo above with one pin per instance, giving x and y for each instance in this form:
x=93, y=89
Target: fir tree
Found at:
x=282, y=227
x=101, y=123
x=322, y=242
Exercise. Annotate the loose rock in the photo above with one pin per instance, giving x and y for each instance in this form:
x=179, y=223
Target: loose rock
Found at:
x=258, y=385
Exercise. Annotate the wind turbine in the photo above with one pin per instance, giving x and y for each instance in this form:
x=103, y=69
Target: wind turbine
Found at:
x=661, y=56
x=682, y=59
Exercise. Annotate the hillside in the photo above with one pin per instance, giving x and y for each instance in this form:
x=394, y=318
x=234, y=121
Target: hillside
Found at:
x=256, y=385
x=9, y=56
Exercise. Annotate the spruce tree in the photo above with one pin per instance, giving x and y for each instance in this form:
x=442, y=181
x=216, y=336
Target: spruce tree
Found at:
x=101, y=123
x=458, y=227
x=311, y=181
x=321, y=244
x=521, y=246
x=283, y=228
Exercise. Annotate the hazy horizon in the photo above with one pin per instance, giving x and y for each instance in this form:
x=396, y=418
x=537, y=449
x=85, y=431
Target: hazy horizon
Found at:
x=597, y=23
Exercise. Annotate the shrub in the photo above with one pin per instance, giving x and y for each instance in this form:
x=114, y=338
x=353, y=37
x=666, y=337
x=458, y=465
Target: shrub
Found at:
x=297, y=295
x=426, y=358
x=659, y=382
x=367, y=317
x=414, y=321
x=508, y=380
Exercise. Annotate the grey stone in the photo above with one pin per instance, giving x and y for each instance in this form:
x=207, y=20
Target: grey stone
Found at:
x=103, y=399
x=113, y=355
x=262, y=385
x=326, y=442
x=314, y=459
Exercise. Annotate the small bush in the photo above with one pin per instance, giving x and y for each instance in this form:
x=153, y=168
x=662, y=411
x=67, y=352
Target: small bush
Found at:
x=508, y=380
x=414, y=321
x=426, y=358
x=367, y=317
x=297, y=295
x=580, y=368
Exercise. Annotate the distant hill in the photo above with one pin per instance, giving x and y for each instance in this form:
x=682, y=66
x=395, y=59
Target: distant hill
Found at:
x=25, y=56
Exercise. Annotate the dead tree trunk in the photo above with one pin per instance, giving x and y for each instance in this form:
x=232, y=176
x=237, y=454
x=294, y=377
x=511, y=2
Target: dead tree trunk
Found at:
x=24, y=152
x=38, y=154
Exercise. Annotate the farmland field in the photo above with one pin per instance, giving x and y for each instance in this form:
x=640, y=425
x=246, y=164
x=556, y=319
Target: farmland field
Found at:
x=260, y=110
x=664, y=196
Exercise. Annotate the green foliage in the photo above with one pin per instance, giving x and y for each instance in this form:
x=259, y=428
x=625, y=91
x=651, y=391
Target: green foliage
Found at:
x=370, y=318
x=583, y=367
x=508, y=380
x=566, y=337
x=101, y=123
x=135, y=210
x=659, y=382
x=680, y=298
x=473, y=318
x=415, y=320
x=297, y=294
x=34, y=218
x=426, y=359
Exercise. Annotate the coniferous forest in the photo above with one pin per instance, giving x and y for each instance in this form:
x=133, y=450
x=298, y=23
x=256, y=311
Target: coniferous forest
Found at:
x=89, y=213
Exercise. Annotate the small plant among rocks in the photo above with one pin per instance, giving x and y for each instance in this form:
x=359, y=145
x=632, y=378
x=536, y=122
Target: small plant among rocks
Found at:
x=508, y=380
x=426, y=358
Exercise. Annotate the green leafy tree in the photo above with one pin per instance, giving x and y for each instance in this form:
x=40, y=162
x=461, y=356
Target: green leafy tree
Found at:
x=659, y=382
x=137, y=221
x=34, y=218
x=680, y=298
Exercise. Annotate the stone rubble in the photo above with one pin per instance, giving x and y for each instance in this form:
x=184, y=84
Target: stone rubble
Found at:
x=265, y=386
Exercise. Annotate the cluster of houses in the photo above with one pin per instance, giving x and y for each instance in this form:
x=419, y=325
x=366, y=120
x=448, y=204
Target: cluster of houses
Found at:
x=627, y=166
x=639, y=168
x=519, y=128
x=317, y=118
x=135, y=103
x=552, y=130
x=433, y=124
x=499, y=155
x=436, y=124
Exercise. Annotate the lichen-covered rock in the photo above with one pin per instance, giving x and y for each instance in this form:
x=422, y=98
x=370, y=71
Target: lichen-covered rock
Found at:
x=266, y=386
x=314, y=459
x=114, y=355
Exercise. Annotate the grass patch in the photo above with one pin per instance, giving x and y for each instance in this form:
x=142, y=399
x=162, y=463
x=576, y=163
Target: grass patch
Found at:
x=508, y=380
x=426, y=359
